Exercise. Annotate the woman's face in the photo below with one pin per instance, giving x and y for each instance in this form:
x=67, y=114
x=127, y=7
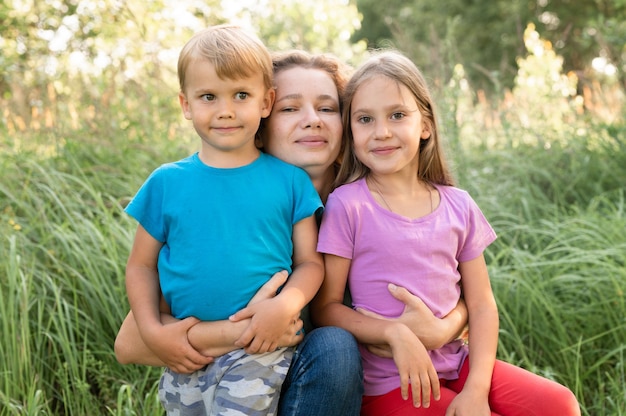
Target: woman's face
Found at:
x=304, y=127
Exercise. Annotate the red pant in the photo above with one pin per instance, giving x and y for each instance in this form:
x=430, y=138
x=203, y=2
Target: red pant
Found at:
x=514, y=392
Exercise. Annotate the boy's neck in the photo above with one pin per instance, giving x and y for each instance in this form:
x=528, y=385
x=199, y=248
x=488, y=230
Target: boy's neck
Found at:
x=228, y=160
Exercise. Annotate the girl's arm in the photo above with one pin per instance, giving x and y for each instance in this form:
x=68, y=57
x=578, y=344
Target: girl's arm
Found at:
x=271, y=318
x=411, y=358
x=483, y=337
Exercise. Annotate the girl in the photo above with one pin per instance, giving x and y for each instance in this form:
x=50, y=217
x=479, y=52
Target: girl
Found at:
x=398, y=221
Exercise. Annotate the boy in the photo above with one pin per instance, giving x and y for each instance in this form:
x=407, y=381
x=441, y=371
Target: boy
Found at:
x=215, y=226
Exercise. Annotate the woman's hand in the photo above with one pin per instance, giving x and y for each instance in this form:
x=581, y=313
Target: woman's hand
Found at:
x=432, y=331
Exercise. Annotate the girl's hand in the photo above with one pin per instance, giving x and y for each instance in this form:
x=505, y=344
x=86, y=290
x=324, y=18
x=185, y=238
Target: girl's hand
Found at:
x=171, y=345
x=414, y=366
x=469, y=403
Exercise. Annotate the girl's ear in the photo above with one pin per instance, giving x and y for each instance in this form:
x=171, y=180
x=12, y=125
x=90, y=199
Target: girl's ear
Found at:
x=425, y=130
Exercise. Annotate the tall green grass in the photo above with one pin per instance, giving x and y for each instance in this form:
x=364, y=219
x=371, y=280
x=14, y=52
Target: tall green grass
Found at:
x=558, y=267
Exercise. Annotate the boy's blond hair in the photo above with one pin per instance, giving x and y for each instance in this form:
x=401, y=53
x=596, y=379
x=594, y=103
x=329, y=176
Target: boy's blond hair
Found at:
x=233, y=51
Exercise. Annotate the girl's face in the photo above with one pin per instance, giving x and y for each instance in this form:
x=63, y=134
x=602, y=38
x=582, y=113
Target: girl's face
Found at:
x=387, y=126
x=304, y=127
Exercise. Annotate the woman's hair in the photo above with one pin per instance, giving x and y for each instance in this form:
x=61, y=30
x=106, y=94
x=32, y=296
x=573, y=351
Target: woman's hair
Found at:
x=432, y=167
x=335, y=69
x=235, y=53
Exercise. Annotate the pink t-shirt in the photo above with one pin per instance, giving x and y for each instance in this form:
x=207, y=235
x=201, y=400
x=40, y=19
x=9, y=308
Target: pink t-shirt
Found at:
x=420, y=254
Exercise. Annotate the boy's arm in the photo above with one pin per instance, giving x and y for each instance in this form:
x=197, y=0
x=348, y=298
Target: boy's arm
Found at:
x=206, y=339
x=142, y=283
x=168, y=342
x=271, y=318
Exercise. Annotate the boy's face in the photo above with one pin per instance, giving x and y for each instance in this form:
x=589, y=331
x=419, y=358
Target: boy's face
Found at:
x=225, y=113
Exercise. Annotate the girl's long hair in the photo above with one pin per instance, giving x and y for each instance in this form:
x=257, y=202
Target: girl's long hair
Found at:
x=432, y=167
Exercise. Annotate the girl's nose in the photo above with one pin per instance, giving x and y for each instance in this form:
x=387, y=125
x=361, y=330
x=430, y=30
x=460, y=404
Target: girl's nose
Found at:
x=382, y=130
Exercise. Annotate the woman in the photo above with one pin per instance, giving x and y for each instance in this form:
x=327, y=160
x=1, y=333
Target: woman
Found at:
x=305, y=129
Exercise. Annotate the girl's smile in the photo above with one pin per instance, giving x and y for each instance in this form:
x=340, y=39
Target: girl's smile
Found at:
x=387, y=126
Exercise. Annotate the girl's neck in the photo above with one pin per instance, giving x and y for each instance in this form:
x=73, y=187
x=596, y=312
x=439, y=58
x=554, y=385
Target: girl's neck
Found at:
x=408, y=197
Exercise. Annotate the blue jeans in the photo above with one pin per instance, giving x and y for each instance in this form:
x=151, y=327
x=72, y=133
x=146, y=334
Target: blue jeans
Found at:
x=325, y=377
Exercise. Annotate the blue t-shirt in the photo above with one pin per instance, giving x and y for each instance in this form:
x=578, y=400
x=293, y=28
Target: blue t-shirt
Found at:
x=225, y=232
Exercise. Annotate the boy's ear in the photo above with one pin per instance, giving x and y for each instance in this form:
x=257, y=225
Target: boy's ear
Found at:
x=268, y=102
x=184, y=105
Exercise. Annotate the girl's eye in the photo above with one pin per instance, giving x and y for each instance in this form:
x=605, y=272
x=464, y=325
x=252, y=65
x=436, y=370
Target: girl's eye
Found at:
x=397, y=116
x=207, y=97
x=365, y=119
x=241, y=95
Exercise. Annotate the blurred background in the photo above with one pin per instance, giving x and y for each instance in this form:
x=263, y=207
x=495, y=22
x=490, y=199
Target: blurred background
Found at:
x=531, y=97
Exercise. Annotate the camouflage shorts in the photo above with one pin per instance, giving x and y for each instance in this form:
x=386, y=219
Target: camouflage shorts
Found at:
x=235, y=384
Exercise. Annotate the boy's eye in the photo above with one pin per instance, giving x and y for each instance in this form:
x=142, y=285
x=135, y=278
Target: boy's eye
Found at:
x=241, y=95
x=207, y=97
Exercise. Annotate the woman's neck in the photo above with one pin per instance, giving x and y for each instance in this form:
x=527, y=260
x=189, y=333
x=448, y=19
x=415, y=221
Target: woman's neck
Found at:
x=323, y=182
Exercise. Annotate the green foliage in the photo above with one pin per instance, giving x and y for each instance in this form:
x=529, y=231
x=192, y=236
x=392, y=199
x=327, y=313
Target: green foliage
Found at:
x=552, y=186
x=486, y=37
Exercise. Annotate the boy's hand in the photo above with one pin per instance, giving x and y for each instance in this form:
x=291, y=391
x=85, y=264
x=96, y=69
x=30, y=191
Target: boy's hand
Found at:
x=269, y=326
x=169, y=342
x=269, y=289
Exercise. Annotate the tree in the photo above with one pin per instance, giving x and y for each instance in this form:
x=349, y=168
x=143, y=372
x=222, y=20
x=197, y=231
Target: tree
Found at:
x=57, y=57
x=486, y=36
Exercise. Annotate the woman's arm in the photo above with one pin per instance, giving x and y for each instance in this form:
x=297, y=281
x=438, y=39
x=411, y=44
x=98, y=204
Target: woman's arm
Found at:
x=202, y=340
x=411, y=358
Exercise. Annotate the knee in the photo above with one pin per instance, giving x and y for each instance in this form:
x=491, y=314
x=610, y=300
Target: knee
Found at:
x=570, y=403
x=338, y=354
x=561, y=401
x=122, y=352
